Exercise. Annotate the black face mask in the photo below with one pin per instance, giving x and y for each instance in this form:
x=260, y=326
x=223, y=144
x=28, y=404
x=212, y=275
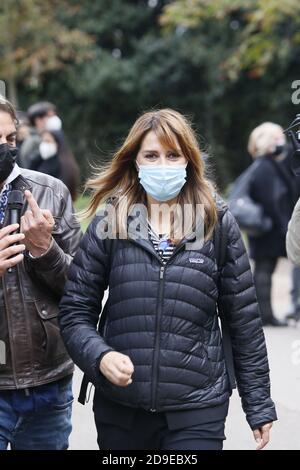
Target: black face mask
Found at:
x=8, y=157
x=279, y=149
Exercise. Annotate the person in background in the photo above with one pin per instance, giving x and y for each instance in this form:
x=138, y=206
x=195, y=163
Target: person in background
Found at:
x=23, y=132
x=36, y=373
x=56, y=159
x=41, y=116
x=272, y=188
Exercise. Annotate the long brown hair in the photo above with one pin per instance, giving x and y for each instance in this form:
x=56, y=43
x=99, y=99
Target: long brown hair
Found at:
x=120, y=176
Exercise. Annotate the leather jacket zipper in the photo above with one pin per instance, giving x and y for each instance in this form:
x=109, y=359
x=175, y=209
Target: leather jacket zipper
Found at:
x=9, y=320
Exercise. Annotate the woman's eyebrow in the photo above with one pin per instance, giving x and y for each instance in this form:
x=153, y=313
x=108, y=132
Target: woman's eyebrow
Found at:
x=168, y=151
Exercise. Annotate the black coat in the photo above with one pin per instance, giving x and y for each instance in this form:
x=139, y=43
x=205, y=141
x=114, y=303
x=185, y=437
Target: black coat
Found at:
x=164, y=318
x=275, y=188
x=49, y=166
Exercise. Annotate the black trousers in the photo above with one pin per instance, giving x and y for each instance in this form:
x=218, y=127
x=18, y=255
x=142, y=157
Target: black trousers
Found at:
x=263, y=271
x=150, y=432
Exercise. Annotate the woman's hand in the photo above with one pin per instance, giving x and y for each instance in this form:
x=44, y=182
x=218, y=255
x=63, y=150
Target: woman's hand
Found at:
x=262, y=435
x=117, y=368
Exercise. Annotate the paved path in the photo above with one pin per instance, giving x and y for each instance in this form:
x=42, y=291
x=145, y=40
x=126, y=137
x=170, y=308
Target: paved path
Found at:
x=284, y=356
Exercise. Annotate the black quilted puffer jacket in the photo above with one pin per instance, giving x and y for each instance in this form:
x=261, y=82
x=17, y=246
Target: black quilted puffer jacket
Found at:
x=164, y=318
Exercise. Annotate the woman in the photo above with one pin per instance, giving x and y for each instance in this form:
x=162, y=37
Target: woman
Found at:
x=274, y=188
x=158, y=364
x=56, y=159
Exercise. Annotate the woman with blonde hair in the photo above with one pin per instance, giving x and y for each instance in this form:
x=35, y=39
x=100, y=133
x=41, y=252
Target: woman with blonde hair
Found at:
x=157, y=361
x=273, y=187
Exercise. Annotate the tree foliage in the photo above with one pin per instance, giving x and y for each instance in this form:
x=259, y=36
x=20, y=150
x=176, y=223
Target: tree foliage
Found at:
x=228, y=65
x=34, y=42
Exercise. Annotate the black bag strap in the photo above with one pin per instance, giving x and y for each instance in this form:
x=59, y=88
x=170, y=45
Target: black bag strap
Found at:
x=220, y=243
x=83, y=389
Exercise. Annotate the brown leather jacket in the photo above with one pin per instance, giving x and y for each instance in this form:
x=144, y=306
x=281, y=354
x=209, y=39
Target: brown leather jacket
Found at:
x=32, y=351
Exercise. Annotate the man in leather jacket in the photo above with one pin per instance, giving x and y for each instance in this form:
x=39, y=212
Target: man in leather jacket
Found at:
x=35, y=369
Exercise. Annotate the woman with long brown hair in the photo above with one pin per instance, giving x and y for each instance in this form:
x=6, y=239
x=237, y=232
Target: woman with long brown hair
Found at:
x=157, y=360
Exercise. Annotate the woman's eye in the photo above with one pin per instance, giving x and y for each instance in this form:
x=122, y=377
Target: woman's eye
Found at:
x=150, y=156
x=173, y=156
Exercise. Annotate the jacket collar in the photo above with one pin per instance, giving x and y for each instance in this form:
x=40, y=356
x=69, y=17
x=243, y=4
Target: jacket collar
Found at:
x=21, y=184
x=145, y=242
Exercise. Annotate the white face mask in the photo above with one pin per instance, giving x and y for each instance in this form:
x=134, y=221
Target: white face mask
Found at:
x=47, y=150
x=53, y=123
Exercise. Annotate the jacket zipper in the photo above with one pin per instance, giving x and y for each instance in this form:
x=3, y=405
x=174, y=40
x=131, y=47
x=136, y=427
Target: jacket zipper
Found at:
x=8, y=317
x=26, y=315
x=157, y=339
x=158, y=317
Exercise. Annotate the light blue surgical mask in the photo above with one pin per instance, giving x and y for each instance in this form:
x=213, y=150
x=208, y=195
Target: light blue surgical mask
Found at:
x=162, y=182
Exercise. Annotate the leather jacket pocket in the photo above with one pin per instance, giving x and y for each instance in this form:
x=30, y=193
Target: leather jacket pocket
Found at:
x=47, y=342
x=57, y=228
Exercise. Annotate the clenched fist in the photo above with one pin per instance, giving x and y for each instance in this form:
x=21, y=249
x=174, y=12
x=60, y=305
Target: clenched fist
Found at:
x=117, y=368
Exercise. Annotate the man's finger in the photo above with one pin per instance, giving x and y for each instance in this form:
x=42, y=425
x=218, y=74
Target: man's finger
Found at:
x=48, y=216
x=10, y=239
x=29, y=217
x=37, y=213
x=11, y=251
x=24, y=225
x=8, y=229
x=9, y=263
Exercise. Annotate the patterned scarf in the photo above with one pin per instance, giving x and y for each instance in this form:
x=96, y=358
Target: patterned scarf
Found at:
x=3, y=201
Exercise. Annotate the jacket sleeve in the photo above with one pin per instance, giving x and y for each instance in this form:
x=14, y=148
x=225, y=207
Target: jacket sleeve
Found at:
x=240, y=308
x=263, y=191
x=293, y=236
x=51, y=268
x=81, y=304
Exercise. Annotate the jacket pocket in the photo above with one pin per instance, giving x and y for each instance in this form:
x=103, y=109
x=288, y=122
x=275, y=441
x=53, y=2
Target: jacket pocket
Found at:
x=57, y=228
x=65, y=397
x=47, y=341
x=209, y=364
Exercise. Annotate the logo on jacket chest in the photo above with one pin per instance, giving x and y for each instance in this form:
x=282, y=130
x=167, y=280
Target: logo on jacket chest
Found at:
x=196, y=260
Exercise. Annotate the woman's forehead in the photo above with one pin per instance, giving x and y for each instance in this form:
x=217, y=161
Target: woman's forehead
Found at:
x=158, y=141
